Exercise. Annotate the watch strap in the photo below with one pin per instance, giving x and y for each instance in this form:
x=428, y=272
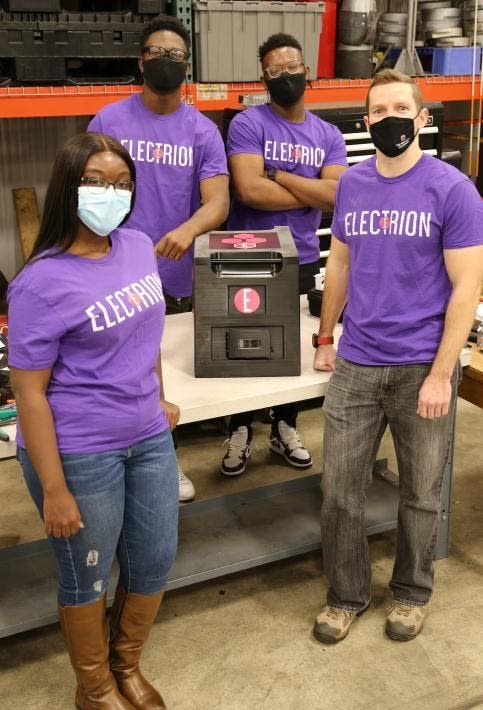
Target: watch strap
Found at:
x=322, y=340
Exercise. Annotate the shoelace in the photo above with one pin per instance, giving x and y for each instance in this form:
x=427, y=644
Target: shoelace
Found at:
x=181, y=476
x=290, y=438
x=400, y=610
x=237, y=443
x=336, y=613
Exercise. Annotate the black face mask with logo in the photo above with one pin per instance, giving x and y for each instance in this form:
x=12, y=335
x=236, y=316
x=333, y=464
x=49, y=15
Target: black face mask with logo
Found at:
x=163, y=74
x=393, y=135
x=286, y=89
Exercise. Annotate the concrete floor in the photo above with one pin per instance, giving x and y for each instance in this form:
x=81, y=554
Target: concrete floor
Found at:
x=244, y=642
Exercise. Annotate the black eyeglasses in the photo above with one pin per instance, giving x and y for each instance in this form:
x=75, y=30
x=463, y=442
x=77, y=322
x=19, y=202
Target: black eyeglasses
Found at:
x=275, y=70
x=97, y=186
x=155, y=52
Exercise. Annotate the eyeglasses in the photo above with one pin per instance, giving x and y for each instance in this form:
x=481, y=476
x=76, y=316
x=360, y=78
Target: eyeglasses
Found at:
x=97, y=186
x=275, y=70
x=176, y=55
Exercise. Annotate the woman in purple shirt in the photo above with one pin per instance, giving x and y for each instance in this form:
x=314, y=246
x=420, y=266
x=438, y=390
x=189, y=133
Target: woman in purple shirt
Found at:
x=86, y=316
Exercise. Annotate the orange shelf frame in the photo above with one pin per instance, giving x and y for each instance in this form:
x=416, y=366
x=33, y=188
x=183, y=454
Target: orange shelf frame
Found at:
x=43, y=101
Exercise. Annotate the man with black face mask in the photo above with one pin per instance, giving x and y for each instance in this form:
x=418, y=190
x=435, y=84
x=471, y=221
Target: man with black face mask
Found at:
x=284, y=164
x=181, y=172
x=407, y=255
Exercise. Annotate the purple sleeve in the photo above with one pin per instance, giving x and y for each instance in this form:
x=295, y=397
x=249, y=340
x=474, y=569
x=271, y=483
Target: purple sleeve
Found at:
x=463, y=217
x=337, y=227
x=95, y=126
x=243, y=136
x=214, y=157
x=34, y=331
x=337, y=152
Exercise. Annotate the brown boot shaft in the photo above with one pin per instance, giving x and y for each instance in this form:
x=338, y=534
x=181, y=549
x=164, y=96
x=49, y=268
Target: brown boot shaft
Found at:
x=85, y=633
x=131, y=619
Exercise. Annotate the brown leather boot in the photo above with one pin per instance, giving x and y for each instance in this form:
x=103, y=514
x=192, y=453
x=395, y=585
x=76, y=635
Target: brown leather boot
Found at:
x=132, y=616
x=85, y=634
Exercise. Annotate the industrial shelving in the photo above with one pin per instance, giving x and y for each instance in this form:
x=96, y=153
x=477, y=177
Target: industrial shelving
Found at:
x=43, y=101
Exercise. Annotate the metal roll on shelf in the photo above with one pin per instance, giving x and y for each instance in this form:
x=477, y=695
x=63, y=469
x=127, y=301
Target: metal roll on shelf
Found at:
x=386, y=40
x=441, y=23
x=440, y=13
x=354, y=21
x=437, y=4
x=354, y=62
x=453, y=42
x=392, y=29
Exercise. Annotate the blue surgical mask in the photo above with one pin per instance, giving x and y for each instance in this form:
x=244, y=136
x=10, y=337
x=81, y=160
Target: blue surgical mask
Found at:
x=103, y=212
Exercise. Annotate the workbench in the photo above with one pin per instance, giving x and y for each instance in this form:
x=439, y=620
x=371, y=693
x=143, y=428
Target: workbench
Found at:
x=471, y=386
x=228, y=533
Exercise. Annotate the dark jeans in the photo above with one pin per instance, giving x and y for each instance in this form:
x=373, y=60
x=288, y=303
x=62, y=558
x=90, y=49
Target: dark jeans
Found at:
x=177, y=305
x=284, y=412
x=360, y=402
x=128, y=500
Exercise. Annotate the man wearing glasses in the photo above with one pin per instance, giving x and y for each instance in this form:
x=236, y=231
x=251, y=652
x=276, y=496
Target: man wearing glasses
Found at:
x=181, y=173
x=284, y=164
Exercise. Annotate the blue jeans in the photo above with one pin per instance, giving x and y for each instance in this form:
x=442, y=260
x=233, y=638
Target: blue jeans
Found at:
x=360, y=402
x=128, y=499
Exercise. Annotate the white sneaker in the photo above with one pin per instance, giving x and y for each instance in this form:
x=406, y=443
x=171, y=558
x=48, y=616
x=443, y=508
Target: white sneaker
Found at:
x=186, y=488
x=239, y=449
x=284, y=440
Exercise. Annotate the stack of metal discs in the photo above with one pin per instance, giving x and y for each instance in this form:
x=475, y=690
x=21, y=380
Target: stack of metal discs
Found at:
x=469, y=21
x=392, y=29
x=441, y=24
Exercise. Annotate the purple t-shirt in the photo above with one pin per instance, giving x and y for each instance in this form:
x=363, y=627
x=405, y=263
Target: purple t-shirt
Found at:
x=172, y=154
x=396, y=230
x=98, y=324
x=299, y=148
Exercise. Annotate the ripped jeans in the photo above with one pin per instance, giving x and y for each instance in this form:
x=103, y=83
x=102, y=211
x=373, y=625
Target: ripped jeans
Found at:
x=128, y=499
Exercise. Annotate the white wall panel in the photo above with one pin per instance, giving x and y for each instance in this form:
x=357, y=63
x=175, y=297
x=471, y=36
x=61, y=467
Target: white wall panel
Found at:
x=27, y=150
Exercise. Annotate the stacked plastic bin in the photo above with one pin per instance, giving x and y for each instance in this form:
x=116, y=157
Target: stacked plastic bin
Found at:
x=229, y=32
x=40, y=43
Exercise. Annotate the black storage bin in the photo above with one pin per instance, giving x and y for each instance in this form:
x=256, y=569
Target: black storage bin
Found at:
x=246, y=304
x=32, y=5
x=35, y=69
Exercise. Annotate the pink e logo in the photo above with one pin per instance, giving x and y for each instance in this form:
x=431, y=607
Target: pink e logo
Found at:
x=244, y=241
x=247, y=300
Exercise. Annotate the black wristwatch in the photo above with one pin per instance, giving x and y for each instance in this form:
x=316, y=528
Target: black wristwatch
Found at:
x=272, y=174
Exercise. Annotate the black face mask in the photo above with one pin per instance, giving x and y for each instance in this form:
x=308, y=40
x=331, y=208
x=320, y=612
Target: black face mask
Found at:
x=286, y=89
x=393, y=135
x=163, y=74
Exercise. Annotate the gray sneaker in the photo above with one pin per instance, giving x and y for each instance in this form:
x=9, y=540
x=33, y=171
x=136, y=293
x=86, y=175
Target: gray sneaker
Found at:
x=285, y=440
x=239, y=449
x=332, y=625
x=404, y=621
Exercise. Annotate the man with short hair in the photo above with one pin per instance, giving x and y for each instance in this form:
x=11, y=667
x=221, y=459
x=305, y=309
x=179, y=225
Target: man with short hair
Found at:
x=407, y=255
x=181, y=172
x=284, y=163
